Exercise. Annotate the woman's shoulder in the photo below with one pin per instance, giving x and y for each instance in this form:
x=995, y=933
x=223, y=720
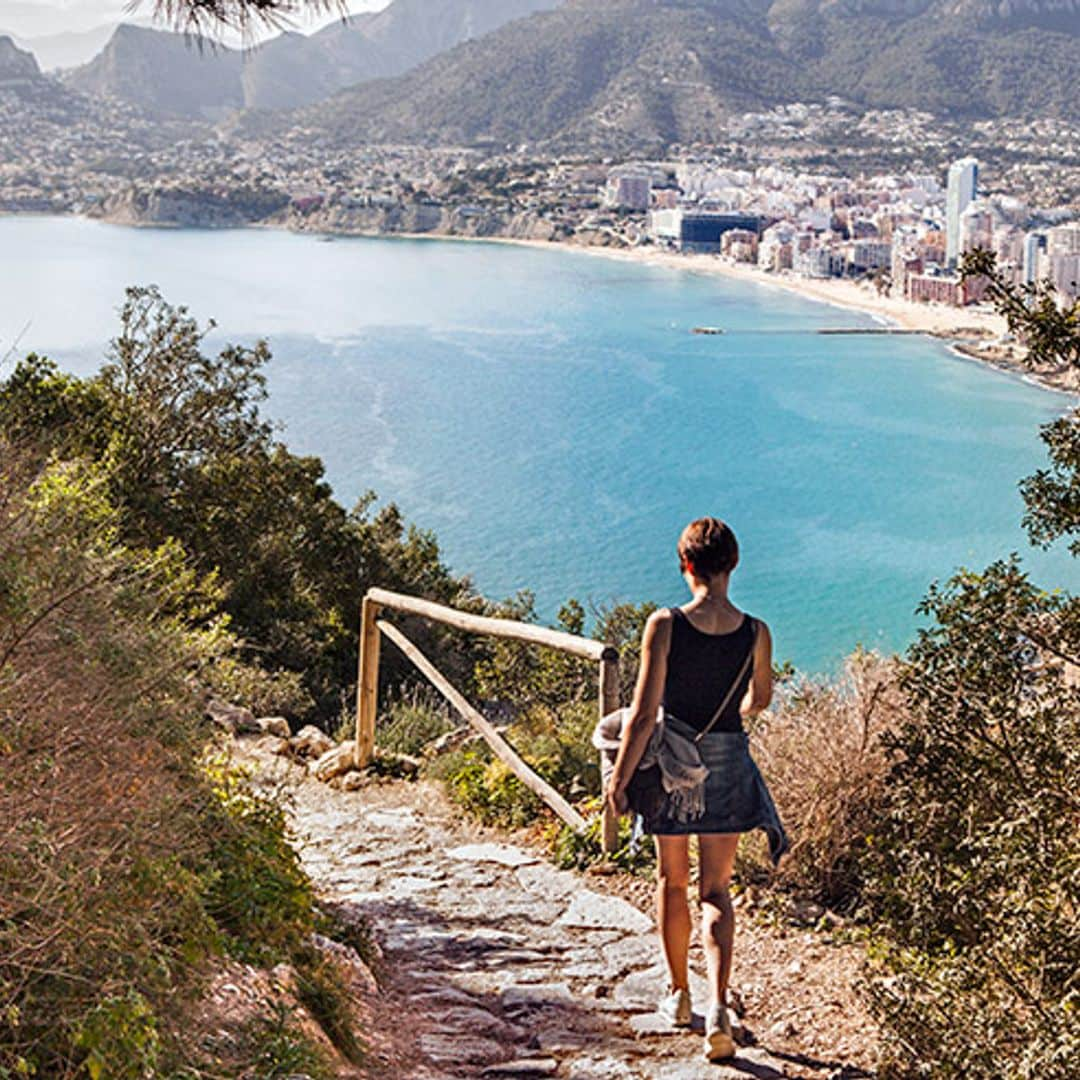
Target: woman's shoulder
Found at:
x=659, y=623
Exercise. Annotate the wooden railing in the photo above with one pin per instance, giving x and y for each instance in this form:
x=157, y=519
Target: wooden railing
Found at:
x=372, y=628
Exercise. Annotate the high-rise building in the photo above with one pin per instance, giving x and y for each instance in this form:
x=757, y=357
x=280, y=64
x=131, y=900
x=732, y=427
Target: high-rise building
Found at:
x=963, y=179
x=1034, y=254
x=976, y=228
x=1063, y=239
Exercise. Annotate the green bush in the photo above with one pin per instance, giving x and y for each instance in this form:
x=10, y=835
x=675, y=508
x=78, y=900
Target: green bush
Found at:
x=974, y=867
x=486, y=788
x=253, y=885
x=128, y=862
x=974, y=870
x=120, y=1039
x=580, y=851
x=547, y=701
x=273, y=1047
x=322, y=990
x=185, y=456
x=414, y=720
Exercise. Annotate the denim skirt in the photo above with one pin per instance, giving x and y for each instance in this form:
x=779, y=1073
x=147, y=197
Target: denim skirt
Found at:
x=736, y=798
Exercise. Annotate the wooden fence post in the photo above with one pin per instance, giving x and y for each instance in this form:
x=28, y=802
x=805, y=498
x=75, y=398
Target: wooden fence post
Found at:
x=609, y=702
x=367, y=683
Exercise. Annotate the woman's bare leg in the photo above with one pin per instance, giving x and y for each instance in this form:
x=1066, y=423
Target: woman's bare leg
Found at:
x=717, y=853
x=673, y=907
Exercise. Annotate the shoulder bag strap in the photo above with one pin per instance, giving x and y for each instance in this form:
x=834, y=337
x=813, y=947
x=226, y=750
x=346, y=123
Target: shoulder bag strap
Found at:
x=747, y=663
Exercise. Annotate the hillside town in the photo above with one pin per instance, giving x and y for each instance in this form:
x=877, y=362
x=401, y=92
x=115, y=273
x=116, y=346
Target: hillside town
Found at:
x=802, y=190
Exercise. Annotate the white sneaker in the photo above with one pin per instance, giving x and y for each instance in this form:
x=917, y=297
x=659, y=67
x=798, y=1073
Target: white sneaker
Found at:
x=675, y=1008
x=718, y=1041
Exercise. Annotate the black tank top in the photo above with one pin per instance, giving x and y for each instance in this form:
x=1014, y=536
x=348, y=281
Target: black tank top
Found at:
x=701, y=668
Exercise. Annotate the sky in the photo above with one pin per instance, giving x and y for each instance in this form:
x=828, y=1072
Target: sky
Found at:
x=35, y=18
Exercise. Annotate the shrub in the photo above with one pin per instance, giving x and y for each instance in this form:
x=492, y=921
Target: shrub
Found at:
x=579, y=851
x=125, y=866
x=322, y=990
x=414, y=720
x=486, y=788
x=253, y=886
x=975, y=868
x=548, y=702
x=820, y=749
x=185, y=456
x=120, y=1038
x=273, y=1047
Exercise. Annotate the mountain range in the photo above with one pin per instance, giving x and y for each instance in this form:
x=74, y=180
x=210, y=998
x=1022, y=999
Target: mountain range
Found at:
x=172, y=74
x=66, y=49
x=606, y=76
x=638, y=75
x=21, y=79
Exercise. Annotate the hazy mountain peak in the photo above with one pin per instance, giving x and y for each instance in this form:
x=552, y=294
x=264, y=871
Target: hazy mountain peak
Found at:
x=16, y=63
x=146, y=67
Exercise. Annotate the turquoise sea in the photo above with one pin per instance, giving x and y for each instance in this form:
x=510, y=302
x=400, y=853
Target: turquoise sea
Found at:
x=551, y=417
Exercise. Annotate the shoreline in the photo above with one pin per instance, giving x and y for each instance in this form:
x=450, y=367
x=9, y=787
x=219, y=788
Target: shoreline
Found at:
x=971, y=334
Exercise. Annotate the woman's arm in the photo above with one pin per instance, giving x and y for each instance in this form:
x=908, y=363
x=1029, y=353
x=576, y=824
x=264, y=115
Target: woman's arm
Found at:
x=759, y=692
x=648, y=691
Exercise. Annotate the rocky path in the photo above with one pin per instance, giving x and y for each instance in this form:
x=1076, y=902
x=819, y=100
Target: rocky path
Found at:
x=498, y=964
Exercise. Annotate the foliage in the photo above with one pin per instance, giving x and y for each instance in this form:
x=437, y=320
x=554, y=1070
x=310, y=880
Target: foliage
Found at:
x=265, y=693
x=413, y=720
x=820, y=749
x=126, y=866
x=975, y=873
x=546, y=701
x=253, y=885
x=211, y=18
x=120, y=1039
x=486, y=788
x=527, y=677
x=1049, y=329
x=273, y=1047
x=322, y=990
x=580, y=851
x=185, y=455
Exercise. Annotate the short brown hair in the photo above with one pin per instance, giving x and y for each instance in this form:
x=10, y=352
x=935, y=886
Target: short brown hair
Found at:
x=707, y=546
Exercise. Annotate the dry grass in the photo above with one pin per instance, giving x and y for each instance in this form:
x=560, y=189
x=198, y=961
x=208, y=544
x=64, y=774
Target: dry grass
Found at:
x=128, y=863
x=820, y=750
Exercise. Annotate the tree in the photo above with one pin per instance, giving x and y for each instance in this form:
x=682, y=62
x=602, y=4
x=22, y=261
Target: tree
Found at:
x=187, y=456
x=208, y=18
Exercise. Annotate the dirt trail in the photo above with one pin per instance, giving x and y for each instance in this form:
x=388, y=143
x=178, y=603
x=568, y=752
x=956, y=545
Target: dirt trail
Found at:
x=500, y=964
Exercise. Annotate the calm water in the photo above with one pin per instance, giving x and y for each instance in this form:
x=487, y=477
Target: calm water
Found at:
x=550, y=417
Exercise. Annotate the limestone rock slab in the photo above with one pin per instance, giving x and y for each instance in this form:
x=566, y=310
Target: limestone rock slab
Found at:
x=592, y=910
x=523, y=1067
x=503, y=854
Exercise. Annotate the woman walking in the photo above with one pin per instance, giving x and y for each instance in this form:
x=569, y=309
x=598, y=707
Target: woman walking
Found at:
x=706, y=666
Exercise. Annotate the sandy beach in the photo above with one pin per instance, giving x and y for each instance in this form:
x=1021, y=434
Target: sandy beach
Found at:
x=926, y=318
x=974, y=333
